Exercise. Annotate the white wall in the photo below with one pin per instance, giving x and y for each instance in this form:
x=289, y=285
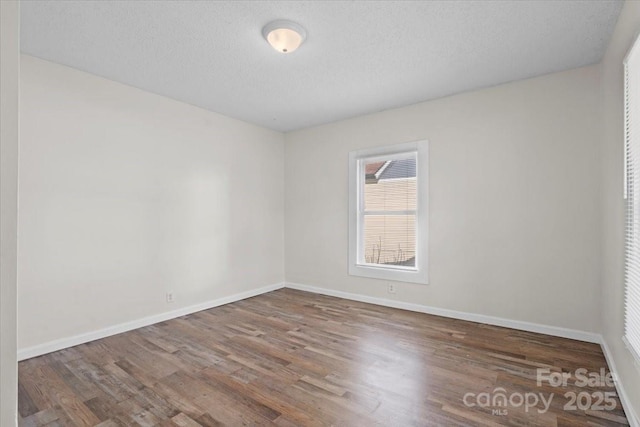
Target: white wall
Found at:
x=514, y=200
x=627, y=29
x=125, y=195
x=9, y=78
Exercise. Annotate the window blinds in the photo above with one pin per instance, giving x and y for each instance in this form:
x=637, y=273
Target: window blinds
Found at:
x=632, y=195
x=388, y=213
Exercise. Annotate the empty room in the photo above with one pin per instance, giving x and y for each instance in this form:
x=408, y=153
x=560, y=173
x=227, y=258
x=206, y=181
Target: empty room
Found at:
x=320, y=213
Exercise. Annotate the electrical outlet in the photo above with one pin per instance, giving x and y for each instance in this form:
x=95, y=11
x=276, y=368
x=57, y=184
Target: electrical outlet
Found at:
x=169, y=297
x=392, y=288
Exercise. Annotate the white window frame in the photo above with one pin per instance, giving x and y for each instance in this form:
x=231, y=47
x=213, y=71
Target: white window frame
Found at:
x=631, y=190
x=357, y=267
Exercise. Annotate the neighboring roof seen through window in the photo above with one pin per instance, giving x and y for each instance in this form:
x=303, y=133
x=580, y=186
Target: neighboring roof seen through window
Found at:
x=393, y=169
x=405, y=168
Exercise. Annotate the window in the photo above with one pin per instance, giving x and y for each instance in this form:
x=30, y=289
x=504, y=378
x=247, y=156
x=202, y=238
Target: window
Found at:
x=388, y=207
x=632, y=195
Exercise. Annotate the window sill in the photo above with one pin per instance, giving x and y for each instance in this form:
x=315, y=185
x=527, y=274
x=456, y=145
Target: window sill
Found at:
x=394, y=274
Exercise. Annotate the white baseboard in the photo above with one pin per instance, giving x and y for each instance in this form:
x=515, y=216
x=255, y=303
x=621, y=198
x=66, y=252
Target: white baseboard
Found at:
x=472, y=317
x=632, y=416
x=48, y=347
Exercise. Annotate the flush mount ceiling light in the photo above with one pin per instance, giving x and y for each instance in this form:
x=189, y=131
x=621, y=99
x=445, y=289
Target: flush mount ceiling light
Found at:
x=284, y=36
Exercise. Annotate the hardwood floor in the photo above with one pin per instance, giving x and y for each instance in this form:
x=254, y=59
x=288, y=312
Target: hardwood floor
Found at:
x=292, y=358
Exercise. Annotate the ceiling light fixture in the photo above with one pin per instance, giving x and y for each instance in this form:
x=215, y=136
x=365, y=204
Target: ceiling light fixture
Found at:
x=284, y=36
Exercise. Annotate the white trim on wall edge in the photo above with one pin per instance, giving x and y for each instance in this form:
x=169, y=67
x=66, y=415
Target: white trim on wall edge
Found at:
x=472, y=317
x=632, y=417
x=59, y=344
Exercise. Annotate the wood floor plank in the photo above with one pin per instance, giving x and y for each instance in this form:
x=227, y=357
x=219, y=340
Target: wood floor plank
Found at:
x=291, y=358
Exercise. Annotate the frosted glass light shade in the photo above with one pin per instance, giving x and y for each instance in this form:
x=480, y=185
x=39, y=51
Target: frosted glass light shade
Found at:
x=284, y=36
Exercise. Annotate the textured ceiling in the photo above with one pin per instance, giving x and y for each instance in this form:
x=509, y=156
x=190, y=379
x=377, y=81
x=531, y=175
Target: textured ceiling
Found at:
x=359, y=57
